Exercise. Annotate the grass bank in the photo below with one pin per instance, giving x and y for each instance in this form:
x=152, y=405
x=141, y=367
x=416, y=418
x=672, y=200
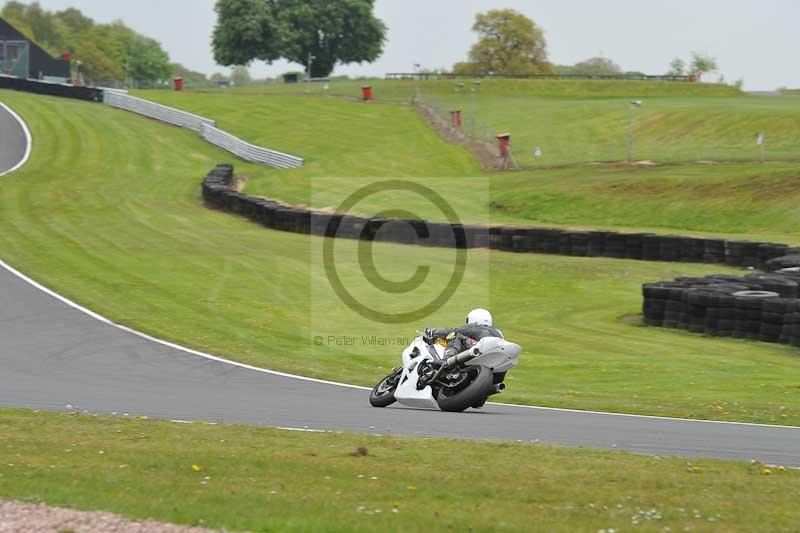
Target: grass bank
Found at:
x=258, y=479
x=347, y=140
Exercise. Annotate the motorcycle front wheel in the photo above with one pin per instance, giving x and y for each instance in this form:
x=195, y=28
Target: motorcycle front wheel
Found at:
x=473, y=393
x=383, y=393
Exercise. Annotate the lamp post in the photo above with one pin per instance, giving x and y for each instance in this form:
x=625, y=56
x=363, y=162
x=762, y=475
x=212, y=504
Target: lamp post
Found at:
x=635, y=104
x=311, y=59
x=474, y=113
x=417, y=96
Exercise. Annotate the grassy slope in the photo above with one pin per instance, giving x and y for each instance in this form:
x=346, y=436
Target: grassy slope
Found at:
x=108, y=213
x=578, y=121
x=269, y=480
x=666, y=129
x=738, y=200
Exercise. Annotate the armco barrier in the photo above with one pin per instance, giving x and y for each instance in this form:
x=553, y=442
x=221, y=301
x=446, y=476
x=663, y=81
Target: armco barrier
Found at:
x=91, y=94
x=156, y=111
x=640, y=246
x=205, y=127
x=247, y=151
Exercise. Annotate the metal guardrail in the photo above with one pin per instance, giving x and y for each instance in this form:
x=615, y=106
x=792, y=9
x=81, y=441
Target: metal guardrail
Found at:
x=205, y=127
x=247, y=151
x=157, y=111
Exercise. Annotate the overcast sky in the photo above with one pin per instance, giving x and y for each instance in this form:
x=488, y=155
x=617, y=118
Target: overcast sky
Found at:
x=753, y=40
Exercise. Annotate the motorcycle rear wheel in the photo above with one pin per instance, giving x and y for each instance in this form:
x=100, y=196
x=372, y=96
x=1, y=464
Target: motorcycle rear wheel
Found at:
x=473, y=394
x=383, y=393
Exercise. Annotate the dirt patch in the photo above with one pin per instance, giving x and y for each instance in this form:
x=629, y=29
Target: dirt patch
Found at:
x=15, y=517
x=487, y=153
x=240, y=181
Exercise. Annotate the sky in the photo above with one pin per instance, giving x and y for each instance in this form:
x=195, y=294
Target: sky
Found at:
x=748, y=38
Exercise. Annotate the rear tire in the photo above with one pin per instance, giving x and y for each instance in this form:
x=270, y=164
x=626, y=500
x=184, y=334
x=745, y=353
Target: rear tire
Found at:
x=473, y=394
x=383, y=393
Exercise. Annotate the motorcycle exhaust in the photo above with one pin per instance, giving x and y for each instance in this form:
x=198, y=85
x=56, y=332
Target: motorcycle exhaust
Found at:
x=497, y=389
x=461, y=359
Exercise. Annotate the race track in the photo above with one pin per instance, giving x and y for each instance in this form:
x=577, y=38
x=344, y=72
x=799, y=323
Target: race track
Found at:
x=54, y=356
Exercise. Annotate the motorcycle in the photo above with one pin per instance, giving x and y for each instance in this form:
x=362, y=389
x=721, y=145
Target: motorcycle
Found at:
x=429, y=379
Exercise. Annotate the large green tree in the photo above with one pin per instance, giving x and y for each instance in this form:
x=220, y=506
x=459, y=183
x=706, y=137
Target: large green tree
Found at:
x=247, y=30
x=508, y=43
x=329, y=32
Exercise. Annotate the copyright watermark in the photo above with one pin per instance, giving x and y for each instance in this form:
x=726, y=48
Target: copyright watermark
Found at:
x=361, y=340
x=387, y=254
x=449, y=235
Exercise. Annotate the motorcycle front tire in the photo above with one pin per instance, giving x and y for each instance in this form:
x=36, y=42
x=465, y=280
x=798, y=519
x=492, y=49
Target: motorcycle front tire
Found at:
x=474, y=394
x=380, y=395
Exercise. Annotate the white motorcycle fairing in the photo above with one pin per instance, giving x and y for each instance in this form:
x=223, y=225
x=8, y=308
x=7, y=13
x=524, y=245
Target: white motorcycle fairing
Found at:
x=497, y=354
x=494, y=353
x=407, y=392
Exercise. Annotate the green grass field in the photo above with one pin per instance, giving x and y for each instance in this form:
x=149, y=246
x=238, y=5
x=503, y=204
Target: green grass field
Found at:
x=258, y=479
x=346, y=139
x=587, y=121
x=108, y=213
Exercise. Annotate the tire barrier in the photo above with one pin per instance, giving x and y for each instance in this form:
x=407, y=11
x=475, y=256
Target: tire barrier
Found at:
x=90, y=94
x=763, y=307
x=640, y=246
x=206, y=128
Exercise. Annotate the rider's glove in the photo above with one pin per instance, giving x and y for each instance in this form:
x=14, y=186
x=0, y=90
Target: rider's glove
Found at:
x=427, y=336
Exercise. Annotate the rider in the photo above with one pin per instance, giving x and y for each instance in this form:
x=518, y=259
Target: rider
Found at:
x=479, y=325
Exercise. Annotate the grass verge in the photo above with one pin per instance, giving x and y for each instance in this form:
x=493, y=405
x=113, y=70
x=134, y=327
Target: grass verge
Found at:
x=259, y=479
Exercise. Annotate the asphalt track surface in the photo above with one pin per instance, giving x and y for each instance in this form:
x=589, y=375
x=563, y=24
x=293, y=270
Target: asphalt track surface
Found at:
x=56, y=357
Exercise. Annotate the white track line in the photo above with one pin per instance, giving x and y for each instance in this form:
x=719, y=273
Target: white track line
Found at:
x=178, y=347
x=28, y=138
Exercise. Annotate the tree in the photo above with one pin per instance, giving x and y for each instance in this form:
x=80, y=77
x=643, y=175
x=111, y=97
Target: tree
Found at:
x=677, y=67
x=597, y=66
x=107, y=52
x=147, y=61
x=240, y=75
x=702, y=64
x=331, y=31
x=509, y=42
x=101, y=56
x=246, y=30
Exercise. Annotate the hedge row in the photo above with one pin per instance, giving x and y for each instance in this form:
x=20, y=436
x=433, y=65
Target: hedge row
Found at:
x=758, y=306
x=644, y=246
x=90, y=94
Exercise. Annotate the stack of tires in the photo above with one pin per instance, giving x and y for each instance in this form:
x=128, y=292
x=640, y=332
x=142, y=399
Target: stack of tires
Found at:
x=762, y=307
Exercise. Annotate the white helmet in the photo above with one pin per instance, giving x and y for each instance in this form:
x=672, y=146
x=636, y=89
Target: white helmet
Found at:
x=480, y=317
